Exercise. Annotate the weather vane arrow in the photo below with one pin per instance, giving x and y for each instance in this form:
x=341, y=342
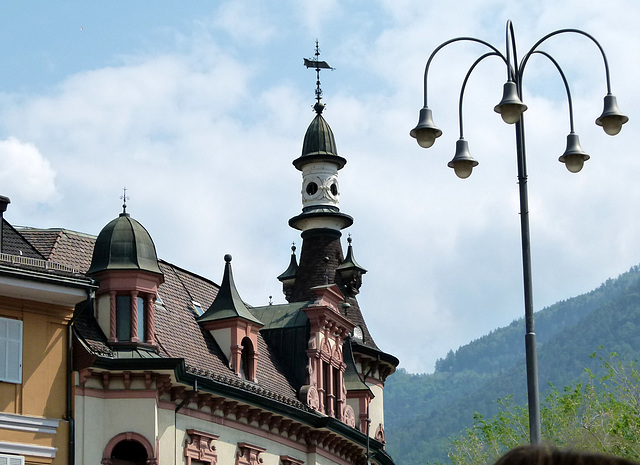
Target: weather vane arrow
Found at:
x=317, y=65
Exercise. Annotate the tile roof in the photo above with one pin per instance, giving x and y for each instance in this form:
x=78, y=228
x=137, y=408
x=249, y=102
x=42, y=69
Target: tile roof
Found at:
x=15, y=244
x=178, y=335
x=62, y=246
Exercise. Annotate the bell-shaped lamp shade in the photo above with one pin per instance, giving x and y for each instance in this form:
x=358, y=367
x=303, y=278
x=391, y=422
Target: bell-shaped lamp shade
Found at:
x=426, y=131
x=573, y=157
x=462, y=163
x=611, y=118
x=510, y=107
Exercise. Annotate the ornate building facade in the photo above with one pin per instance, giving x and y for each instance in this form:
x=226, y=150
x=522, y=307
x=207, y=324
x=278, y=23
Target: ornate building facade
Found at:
x=165, y=366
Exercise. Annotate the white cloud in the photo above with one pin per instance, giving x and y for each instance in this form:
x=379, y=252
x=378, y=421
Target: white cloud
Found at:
x=26, y=176
x=203, y=135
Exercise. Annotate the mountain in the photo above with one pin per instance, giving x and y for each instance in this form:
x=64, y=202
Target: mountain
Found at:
x=423, y=411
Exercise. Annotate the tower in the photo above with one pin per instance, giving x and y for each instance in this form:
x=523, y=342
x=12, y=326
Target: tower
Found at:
x=323, y=265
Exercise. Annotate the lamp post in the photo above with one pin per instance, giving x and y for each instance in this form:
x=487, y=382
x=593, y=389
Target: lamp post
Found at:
x=511, y=108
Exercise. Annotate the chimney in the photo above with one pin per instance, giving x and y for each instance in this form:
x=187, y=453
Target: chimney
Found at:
x=4, y=201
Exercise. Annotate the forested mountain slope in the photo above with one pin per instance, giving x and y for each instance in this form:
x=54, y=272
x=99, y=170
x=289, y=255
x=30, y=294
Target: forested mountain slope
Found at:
x=423, y=411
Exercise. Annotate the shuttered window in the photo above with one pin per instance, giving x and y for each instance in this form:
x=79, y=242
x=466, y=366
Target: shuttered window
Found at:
x=10, y=352
x=11, y=459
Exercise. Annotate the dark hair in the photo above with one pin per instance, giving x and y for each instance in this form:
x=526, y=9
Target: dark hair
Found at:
x=540, y=455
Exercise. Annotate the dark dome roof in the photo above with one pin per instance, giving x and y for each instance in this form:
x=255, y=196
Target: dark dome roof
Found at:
x=319, y=144
x=124, y=244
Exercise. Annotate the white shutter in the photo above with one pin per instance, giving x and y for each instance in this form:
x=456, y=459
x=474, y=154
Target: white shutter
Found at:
x=10, y=351
x=11, y=460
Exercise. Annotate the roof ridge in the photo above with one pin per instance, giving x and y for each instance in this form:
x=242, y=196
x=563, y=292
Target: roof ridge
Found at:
x=52, y=252
x=63, y=230
x=184, y=270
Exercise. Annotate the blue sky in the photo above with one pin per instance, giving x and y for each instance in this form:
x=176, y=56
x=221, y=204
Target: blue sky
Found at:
x=199, y=108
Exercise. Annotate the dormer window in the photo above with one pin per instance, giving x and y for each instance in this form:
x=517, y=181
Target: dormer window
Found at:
x=196, y=308
x=358, y=334
x=248, y=360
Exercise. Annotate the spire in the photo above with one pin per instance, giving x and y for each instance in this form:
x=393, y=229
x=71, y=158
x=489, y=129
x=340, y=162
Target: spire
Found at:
x=318, y=66
x=319, y=163
x=290, y=272
x=227, y=303
x=288, y=277
x=319, y=143
x=124, y=199
x=350, y=272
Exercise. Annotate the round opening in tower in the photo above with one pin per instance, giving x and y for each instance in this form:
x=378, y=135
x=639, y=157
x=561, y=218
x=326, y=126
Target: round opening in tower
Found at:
x=334, y=189
x=312, y=188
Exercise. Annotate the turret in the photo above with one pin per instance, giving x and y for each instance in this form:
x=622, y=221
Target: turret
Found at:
x=125, y=263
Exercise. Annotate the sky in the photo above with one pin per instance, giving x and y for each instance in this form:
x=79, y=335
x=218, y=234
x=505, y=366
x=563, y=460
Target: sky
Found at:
x=198, y=108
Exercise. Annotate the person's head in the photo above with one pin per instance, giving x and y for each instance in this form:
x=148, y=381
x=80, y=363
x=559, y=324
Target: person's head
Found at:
x=540, y=455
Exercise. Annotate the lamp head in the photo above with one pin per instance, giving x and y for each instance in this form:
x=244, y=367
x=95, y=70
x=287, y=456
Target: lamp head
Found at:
x=462, y=162
x=573, y=157
x=426, y=131
x=510, y=107
x=611, y=118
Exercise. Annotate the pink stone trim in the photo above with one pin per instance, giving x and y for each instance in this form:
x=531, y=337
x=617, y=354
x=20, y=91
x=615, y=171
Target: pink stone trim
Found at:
x=116, y=394
x=286, y=460
x=112, y=317
x=134, y=316
x=200, y=447
x=248, y=454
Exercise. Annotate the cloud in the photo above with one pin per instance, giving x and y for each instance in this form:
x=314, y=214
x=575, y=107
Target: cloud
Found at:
x=26, y=176
x=202, y=132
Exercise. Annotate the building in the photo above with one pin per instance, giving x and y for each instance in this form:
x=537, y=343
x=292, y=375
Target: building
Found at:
x=37, y=301
x=169, y=367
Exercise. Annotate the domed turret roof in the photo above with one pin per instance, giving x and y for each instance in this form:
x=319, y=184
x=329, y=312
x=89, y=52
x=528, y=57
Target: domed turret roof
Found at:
x=124, y=244
x=319, y=143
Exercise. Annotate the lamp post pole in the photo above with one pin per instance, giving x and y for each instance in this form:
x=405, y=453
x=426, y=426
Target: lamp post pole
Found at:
x=533, y=395
x=511, y=109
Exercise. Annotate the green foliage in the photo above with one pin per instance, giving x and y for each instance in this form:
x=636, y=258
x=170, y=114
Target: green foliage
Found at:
x=423, y=411
x=600, y=415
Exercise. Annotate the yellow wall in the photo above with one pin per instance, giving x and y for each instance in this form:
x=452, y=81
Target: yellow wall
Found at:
x=44, y=366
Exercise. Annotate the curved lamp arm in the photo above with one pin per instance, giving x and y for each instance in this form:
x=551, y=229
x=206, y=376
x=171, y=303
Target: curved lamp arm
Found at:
x=457, y=39
x=611, y=118
x=564, y=31
x=566, y=84
x=464, y=85
x=510, y=34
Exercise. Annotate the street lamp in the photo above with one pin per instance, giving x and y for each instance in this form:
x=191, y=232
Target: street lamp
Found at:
x=511, y=108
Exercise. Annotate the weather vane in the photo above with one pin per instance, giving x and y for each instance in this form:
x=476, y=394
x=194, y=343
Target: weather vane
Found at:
x=124, y=199
x=317, y=65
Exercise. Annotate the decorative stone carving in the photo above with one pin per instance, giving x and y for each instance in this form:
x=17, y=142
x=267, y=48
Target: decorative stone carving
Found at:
x=200, y=447
x=349, y=416
x=309, y=395
x=320, y=185
x=287, y=460
x=248, y=454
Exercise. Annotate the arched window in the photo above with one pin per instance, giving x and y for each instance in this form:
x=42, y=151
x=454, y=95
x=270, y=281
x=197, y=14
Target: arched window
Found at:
x=248, y=360
x=128, y=449
x=129, y=453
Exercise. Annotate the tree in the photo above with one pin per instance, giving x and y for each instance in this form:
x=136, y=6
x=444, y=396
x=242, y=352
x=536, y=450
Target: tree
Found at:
x=599, y=415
